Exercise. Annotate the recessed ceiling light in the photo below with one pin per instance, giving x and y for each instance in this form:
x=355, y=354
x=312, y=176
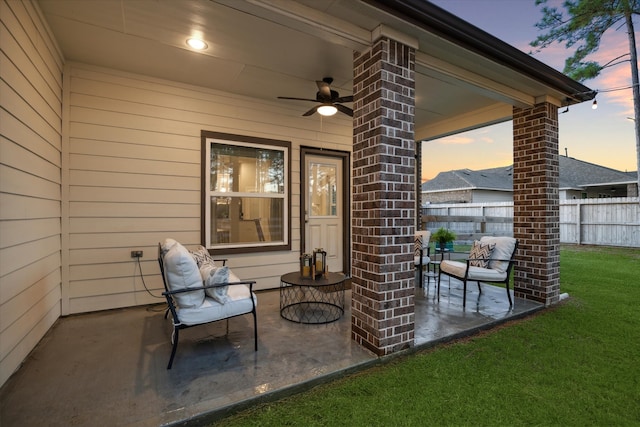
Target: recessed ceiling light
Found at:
x=197, y=44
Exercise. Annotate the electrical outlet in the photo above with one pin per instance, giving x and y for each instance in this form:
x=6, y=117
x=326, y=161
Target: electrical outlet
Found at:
x=136, y=254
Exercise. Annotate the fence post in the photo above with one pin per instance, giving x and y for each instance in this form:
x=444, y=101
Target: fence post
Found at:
x=579, y=221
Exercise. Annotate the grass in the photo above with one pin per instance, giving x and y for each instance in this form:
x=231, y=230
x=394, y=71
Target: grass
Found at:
x=574, y=364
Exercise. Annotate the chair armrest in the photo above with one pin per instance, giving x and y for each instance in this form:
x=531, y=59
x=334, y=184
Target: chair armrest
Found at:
x=249, y=283
x=508, y=269
x=490, y=259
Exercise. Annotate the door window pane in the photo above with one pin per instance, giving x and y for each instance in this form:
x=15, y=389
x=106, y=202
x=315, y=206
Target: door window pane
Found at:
x=322, y=190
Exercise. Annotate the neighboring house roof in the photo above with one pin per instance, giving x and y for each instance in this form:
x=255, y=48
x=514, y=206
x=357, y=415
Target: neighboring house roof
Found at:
x=497, y=179
x=574, y=174
x=577, y=174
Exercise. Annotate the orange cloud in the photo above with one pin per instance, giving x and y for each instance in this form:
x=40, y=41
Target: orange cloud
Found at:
x=487, y=140
x=616, y=77
x=455, y=140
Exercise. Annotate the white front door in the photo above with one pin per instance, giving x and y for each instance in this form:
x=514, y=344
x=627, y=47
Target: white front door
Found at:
x=323, y=208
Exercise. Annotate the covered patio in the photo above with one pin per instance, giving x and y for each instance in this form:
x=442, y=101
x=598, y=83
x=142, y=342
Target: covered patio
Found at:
x=109, y=367
x=105, y=158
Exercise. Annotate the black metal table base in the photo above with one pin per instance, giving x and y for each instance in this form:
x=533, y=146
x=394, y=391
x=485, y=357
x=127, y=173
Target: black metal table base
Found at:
x=312, y=301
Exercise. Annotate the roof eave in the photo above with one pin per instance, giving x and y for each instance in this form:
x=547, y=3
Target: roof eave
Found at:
x=438, y=21
x=602, y=184
x=493, y=189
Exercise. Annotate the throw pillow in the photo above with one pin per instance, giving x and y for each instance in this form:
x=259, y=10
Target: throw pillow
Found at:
x=202, y=257
x=218, y=276
x=480, y=254
x=417, y=245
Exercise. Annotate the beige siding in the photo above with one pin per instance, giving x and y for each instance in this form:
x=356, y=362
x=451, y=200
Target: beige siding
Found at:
x=488, y=196
x=134, y=177
x=30, y=182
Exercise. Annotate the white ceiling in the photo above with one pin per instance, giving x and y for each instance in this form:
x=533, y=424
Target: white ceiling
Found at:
x=270, y=48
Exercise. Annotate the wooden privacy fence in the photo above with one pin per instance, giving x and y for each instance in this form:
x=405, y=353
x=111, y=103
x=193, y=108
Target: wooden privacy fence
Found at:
x=611, y=222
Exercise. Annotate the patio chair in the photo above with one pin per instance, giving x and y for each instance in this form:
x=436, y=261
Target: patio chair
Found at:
x=200, y=295
x=490, y=260
x=421, y=252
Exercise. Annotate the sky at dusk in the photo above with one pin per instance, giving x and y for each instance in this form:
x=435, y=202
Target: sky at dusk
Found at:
x=603, y=136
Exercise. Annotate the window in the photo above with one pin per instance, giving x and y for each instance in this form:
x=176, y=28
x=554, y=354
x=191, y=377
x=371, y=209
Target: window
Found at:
x=245, y=198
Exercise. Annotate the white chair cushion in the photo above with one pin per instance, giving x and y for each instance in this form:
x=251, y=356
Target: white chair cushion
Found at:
x=239, y=302
x=458, y=269
x=182, y=272
x=425, y=260
x=503, y=250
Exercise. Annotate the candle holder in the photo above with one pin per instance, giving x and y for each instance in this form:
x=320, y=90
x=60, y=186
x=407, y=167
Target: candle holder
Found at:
x=320, y=261
x=306, y=266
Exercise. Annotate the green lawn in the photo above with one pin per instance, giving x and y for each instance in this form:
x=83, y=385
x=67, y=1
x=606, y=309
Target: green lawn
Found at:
x=576, y=364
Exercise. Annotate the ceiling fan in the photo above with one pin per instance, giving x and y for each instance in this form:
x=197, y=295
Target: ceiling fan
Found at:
x=330, y=100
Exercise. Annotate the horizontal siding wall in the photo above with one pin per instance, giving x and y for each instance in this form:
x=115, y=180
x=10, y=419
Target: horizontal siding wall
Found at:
x=134, y=177
x=30, y=182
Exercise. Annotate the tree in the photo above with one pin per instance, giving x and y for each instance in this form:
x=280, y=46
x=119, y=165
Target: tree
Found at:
x=583, y=26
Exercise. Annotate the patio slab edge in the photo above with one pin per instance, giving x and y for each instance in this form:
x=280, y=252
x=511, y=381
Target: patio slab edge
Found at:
x=209, y=417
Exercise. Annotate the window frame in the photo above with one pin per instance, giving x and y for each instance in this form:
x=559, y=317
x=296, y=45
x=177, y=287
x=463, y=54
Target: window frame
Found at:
x=209, y=137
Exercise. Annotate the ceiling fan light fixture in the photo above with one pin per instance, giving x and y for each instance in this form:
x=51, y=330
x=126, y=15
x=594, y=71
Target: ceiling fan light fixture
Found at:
x=197, y=44
x=327, y=110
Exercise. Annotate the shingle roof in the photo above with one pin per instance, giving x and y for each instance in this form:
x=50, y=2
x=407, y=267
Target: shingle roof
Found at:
x=574, y=173
x=461, y=179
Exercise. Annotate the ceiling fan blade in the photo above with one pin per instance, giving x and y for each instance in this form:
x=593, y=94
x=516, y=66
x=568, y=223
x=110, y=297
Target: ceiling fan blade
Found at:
x=297, y=99
x=346, y=110
x=344, y=99
x=310, y=112
x=324, y=89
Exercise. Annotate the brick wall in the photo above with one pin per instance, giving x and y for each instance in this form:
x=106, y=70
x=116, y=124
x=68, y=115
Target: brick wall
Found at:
x=383, y=221
x=536, y=212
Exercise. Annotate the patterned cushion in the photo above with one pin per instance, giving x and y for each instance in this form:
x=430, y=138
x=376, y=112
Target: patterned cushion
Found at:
x=480, y=254
x=202, y=257
x=421, y=242
x=417, y=245
x=218, y=276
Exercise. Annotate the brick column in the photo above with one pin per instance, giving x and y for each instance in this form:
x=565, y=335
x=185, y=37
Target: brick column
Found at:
x=384, y=187
x=536, y=203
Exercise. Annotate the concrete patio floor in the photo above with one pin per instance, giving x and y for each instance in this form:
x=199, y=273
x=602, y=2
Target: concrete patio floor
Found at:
x=109, y=368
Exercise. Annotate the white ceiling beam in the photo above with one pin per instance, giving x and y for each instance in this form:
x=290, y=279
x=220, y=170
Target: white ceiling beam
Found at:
x=496, y=113
x=475, y=82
